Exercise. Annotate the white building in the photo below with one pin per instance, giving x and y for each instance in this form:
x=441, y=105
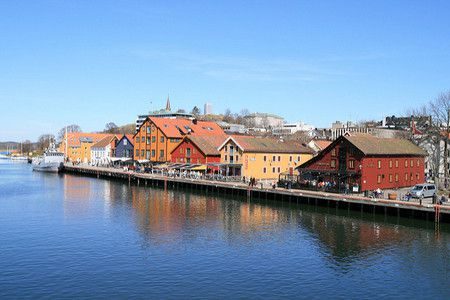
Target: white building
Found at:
x=291, y=128
x=103, y=151
x=263, y=120
x=207, y=109
x=232, y=128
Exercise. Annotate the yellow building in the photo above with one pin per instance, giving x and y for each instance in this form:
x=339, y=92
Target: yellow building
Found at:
x=79, y=144
x=261, y=158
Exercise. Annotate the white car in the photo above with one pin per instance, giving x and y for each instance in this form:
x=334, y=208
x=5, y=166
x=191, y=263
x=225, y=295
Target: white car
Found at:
x=423, y=191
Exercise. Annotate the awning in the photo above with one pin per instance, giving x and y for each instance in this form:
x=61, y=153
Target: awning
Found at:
x=143, y=161
x=199, y=168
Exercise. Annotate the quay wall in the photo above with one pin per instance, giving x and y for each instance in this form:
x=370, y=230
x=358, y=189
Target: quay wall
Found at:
x=435, y=213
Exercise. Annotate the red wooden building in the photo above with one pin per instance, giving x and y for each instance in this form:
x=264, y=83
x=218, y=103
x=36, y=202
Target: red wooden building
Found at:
x=365, y=163
x=199, y=149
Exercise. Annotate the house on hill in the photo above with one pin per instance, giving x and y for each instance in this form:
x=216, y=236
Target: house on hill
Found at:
x=365, y=162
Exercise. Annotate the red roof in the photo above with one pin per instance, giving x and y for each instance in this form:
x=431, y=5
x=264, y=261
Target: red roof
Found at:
x=177, y=128
x=73, y=138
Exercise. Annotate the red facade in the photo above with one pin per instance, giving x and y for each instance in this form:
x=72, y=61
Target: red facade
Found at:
x=188, y=153
x=342, y=163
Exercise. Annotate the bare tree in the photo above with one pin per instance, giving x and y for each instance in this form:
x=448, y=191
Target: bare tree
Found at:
x=44, y=141
x=70, y=129
x=111, y=127
x=181, y=111
x=195, y=111
x=228, y=116
x=27, y=147
x=440, y=109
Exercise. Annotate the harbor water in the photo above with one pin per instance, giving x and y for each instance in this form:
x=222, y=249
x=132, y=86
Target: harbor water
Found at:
x=65, y=236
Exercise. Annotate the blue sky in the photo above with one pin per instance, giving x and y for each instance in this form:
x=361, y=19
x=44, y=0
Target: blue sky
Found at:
x=92, y=62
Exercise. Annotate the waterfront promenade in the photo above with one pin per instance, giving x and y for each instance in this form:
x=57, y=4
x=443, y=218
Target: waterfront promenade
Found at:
x=428, y=211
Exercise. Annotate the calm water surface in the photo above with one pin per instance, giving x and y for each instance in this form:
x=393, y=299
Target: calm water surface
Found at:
x=64, y=236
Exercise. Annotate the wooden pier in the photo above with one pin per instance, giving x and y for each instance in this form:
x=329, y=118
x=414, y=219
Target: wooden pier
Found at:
x=431, y=212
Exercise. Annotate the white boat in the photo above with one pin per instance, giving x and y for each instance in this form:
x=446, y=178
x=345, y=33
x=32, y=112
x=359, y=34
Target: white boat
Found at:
x=3, y=156
x=52, y=161
x=19, y=158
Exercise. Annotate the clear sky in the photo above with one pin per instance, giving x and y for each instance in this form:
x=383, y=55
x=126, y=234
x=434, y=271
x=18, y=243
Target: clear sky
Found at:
x=92, y=62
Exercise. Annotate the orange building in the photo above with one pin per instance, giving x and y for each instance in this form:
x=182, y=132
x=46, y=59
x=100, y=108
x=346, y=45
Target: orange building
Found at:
x=79, y=145
x=156, y=138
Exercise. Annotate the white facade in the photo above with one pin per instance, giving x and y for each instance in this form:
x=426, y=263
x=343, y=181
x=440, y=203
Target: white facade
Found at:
x=101, y=156
x=291, y=128
x=263, y=120
x=207, y=109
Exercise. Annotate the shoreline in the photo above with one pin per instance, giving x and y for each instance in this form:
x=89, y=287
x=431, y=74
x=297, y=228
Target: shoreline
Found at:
x=430, y=212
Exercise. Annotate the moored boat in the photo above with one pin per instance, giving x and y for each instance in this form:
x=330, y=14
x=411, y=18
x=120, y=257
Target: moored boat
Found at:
x=51, y=161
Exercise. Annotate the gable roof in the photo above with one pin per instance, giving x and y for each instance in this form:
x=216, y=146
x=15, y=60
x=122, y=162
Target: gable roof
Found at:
x=177, y=128
x=322, y=144
x=371, y=145
x=207, y=144
x=104, y=142
x=129, y=137
x=74, y=139
x=266, y=145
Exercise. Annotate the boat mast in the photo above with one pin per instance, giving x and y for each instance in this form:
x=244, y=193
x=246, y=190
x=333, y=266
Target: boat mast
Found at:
x=65, y=148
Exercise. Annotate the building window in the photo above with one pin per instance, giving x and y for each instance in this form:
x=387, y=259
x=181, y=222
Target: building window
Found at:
x=142, y=153
x=153, y=153
x=390, y=164
x=418, y=163
x=125, y=142
x=264, y=170
x=279, y=158
x=225, y=148
x=417, y=176
x=406, y=176
x=273, y=158
x=161, y=153
x=279, y=170
x=298, y=158
x=148, y=141
x=396, y=177
x=153, y=139
x=143, y=139
x=333, y=152
x=351, y=164
x=226, y=157
x=406, y=163
x=411, y=163
x=379, y=164
x=265, y=158
x=162, y=139
x=147, y=154
x=390, y=177
x=411, y=176
x=290, y=158
x=396, y=163
x=333, y=163
x=273, y=169
x=379, y=178
x=137, y=152
x=136, y=139
x=181, y=150
x=237, y=158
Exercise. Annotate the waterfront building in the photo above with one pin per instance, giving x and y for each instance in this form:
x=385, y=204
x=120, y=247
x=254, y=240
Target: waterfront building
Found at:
x=76, y=146
x=199, y=149
x=366, y=163
x=163, y=113
x=125, y=147
x=157, y=137
x=103, y=150
x=261, y=158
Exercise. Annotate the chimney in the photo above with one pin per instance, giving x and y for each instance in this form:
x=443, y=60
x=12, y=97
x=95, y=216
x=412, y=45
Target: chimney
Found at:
x=194, y=121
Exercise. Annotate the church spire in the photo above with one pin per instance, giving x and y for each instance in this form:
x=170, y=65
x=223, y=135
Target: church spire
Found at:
x=168, y=104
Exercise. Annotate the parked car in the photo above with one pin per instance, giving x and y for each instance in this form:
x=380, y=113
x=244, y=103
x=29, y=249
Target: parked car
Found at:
x=423, y=191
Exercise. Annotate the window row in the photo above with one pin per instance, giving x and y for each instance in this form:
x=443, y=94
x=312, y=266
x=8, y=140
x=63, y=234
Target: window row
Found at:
x=392, y=177
x=274, y=170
